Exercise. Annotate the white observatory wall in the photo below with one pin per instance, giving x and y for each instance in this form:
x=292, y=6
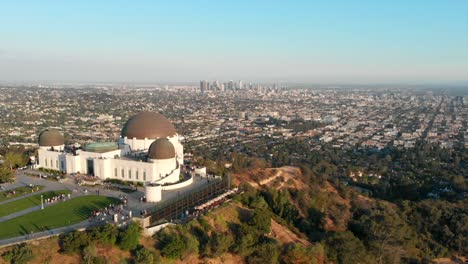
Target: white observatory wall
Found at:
x=125, y=170
x=49, y=159
x=179, y=149
x=73, y=164
x=165, y=168
x=137, y=144
x=153, y=193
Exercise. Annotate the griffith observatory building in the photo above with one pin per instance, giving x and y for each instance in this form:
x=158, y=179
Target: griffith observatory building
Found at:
x=148, y=151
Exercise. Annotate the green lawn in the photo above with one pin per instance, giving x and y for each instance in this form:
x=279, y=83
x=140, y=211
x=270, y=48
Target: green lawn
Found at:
x=58, y=215
x=25, y=203
x=20, y=191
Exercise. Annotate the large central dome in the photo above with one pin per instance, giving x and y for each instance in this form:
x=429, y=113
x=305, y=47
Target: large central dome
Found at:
x=148, y=125
x=50, y=137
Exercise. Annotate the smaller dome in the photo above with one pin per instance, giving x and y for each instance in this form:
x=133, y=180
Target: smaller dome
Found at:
x=161, y=148
x=51, y=137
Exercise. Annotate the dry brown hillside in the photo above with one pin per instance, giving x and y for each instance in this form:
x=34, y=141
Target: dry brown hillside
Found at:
x=284, y=177
x=328, y=200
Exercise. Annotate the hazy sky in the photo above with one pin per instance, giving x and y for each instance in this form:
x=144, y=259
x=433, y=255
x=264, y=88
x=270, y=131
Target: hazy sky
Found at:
x=290, y=41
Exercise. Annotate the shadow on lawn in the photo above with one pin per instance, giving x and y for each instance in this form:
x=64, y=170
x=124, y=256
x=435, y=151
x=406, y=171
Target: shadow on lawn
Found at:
x=23, y=230
x=86, y=210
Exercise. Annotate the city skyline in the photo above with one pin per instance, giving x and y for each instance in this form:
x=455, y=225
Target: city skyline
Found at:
x=338, y=42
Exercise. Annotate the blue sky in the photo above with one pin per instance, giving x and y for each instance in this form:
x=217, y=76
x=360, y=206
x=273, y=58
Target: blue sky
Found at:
x=289, y=41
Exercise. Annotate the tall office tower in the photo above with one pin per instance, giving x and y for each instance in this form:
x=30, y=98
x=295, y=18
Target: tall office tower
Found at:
x=221, y=87
x=240, y=85
x=231, y=85
x=204, y=86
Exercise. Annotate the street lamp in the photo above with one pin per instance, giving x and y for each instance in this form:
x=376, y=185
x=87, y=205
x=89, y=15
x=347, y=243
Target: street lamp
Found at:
x=42, y=203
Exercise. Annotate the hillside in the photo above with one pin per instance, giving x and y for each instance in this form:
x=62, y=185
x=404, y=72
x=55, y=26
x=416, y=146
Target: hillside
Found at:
x=290, y=215
x=291, y=179
x=225, y=220
x=353, y=226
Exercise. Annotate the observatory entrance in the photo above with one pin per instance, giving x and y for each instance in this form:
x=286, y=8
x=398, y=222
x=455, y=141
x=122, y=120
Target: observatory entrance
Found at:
x=90, y=166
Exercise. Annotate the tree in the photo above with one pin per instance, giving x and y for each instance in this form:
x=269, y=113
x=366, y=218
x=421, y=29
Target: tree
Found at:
x=261, y=221
x=280, y=204
x=6, y=175
x=191, y=243
x=296, y=253
x=143, y=256
x=13, y=160
x=171, y=244
x=386, y=233
x=89, y=254
x=128, y=238
x=106, y=234
x=74, y=242
x=344, y=247
x=266, y=252
x=246, y=237
x=220, y=243
x=20, y=254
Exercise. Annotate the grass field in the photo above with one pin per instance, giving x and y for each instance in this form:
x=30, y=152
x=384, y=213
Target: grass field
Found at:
x=25, y=203
x=20, y=191
x=58, y=215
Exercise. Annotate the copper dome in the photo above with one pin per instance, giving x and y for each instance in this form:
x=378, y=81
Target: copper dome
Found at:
x=161, y=148
x=148, y=125
x=51, y=137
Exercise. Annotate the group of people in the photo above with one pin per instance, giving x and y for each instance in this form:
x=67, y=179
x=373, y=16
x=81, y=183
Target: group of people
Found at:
x=104, y=212
x=124, y=199
x=57, y=198
x=11, y=193
x=143, y=212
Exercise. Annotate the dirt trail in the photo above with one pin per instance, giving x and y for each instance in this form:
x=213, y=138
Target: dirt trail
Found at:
x=286, y=176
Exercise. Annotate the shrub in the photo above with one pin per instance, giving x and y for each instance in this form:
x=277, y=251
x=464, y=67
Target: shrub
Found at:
x=143, y=256
x=299, y=254
x=74, y=242
x=19, y=254
x=266, y=252
x=128, y=238
x=89, y=254
x=202, y=237
x=344, y=247
x=106, y=234
x=246, y=238
x=172, y=245
x=191, y=243
x=220, y=243
x=261, y=221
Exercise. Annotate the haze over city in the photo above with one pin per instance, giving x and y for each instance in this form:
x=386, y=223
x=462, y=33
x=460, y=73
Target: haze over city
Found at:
x=184, y=41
